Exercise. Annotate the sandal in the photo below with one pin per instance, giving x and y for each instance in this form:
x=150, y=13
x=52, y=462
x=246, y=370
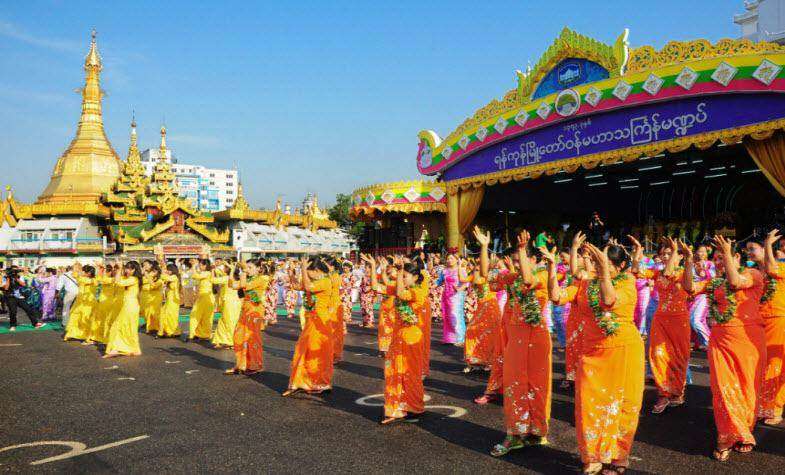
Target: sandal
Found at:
x=721, y=455
x=513, y=443
x=535, y=440
x=743, y=448
x=390, y=420
x=485, y=399
x=614, y=469
x=676, y=402
x=289, y=392
x=772, y=421
x=232, y=371
x=592, y=468
x=660, y=406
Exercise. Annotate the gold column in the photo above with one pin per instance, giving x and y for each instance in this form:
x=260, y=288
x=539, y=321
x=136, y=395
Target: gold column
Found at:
x=453, y=228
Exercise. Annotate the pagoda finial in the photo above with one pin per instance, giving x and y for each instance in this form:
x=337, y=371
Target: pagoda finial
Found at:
x=93, y=58
x=133, y=131
x=162, y=148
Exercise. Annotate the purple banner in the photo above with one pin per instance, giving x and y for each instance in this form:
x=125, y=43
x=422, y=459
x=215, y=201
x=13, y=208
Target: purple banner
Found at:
x=621, y=129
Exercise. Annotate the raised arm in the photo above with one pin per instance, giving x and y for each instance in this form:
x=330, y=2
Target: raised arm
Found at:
x=673, y=259
x=637, y=254
x=688, y=277
x=554, y=291
x=400, y=288
x=577, y=242
x=735, y=279
x=527, y=276
x=484, y=239
x=607, y=292
x=771, y=265
x=375, y=286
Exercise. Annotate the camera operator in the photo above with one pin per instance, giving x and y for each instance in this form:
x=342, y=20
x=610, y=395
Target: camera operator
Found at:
x=13, y=286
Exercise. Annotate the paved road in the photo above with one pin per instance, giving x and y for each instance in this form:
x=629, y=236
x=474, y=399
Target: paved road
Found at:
x=196, y=419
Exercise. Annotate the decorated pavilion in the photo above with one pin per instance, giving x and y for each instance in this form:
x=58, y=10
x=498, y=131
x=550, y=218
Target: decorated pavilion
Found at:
x=687, y=139
x=401, y=216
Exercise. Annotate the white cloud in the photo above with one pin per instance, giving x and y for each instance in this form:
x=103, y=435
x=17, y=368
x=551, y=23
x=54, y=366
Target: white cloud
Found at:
x=9, y=30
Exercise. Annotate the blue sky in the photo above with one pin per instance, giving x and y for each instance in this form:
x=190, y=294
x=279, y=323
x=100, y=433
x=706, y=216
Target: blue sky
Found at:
x=300, y=96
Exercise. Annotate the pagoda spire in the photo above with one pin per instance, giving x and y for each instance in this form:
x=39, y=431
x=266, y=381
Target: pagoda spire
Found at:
x=133, y=149
x=89, y=165
x=133, y=176
x=162, y=147
x=240, y=203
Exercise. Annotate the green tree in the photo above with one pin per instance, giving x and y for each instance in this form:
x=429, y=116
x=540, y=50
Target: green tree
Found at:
x=339, y=213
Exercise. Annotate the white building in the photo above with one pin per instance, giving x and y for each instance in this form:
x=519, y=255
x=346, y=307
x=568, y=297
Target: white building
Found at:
x=53, y=242
x=763, y=20
x=253, y=239
x=208, y=189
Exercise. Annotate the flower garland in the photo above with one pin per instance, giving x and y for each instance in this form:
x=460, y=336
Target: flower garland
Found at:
x=606, y=320
x=530, y=306
x=310, y=302
x=406, y=312
x=771, y=287
x=714, y=310
x=482, y=290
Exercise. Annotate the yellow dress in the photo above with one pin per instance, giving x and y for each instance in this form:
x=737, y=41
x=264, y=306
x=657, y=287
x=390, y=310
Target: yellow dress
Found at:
x=200, y=323
x=169, y=320
x=150, y=300
x=103, y=311
x=124, y=332
x=230, y=305
x=79, y=322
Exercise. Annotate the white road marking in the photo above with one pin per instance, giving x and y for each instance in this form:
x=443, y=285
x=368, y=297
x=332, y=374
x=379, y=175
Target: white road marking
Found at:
x=112, y=367
x=191, y=371
x=377, y=400
x=171, y=362
x=126, y=379
x=10, y=344
x=77, y=448
x=456, y=411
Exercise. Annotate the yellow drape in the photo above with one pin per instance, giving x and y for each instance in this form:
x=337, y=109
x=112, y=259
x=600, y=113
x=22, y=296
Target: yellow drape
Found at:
x=469, y=202
x=462, y=207
x=769, y=155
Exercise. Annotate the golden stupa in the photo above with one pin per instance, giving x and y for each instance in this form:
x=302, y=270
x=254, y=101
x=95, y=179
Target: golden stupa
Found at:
x=89, y=166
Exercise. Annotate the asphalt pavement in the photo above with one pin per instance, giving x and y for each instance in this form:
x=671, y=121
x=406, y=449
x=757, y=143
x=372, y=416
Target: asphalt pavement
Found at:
x=172, y=410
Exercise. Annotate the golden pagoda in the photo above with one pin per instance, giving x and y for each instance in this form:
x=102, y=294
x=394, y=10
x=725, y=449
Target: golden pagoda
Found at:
x=89, y=166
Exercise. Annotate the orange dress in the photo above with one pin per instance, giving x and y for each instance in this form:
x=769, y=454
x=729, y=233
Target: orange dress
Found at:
x=773, y=313
x=248, y=345
x=526, y=361
x=481, y=331
x=425, y=325
x=737, y=357
x=385, y=327
x=669, y=343
x=609, y=378
x=338, y=324
x=580, y=311
x=403, y=387
x=312, y=364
